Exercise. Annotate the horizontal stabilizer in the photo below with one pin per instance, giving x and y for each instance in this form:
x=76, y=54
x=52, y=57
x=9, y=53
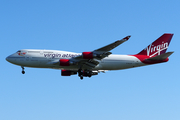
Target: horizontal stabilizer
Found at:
x=160, y=57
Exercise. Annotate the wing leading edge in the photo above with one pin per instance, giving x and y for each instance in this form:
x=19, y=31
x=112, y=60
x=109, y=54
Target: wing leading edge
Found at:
x=112, y=45
x=89, y=60
x=93, y=58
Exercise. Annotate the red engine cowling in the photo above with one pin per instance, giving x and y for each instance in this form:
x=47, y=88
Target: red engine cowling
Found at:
x=87, y=55
x=67, y=73
x=64, y=62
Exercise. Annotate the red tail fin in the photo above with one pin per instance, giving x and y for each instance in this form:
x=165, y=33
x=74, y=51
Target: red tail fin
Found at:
x=158, y=47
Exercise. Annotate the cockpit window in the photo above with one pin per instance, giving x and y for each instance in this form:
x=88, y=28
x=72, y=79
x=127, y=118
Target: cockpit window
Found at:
x=18, y=51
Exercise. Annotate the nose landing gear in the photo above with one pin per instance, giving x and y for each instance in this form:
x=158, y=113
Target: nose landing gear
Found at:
x=23, y=72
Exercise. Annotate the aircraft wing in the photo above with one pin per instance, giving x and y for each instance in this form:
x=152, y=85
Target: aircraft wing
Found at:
x=85, y=64
x=111, y=46
x=89, y=60
x=104, y=51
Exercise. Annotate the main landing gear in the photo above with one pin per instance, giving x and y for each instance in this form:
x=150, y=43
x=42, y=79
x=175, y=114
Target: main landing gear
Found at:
x=23, y=72
x=85, y=73
x=80, y=73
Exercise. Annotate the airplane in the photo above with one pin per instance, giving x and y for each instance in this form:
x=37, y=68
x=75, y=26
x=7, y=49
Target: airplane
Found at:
x=87, y=64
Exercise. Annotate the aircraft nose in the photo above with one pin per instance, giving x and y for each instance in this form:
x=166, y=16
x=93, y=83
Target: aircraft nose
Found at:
x=8, y=59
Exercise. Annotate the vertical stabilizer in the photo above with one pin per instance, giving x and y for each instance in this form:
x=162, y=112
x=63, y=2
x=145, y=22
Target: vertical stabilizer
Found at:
x=158, y=47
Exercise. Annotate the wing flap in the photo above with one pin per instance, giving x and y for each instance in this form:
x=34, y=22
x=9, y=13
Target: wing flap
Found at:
x=89, y=64
x=95, y=56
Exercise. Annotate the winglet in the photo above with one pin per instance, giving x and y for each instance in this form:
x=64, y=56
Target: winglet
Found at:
x=127, y=37
x=112, y=45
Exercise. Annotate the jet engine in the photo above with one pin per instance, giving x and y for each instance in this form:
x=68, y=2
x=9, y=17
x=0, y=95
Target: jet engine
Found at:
x=66, y=62
x=91, y=55
x=87, y=55
x=67, y=72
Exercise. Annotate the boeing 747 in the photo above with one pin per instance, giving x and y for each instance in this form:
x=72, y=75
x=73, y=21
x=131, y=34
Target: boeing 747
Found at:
x=87, y=64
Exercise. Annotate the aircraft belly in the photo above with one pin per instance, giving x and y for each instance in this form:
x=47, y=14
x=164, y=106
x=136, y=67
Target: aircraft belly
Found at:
x=114, y=65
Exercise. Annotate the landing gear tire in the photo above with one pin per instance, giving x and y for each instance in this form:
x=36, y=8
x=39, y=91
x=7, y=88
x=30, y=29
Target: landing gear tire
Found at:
x=90, y=74
x=23, y=72
x=80, y=74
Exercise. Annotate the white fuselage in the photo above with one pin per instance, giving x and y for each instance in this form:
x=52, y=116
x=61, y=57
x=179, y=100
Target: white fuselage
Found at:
x=45, y=58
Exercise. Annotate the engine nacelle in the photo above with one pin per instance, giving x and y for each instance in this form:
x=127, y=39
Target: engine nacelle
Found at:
x=64, y=62
x=67, y=72
x=87, y=55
